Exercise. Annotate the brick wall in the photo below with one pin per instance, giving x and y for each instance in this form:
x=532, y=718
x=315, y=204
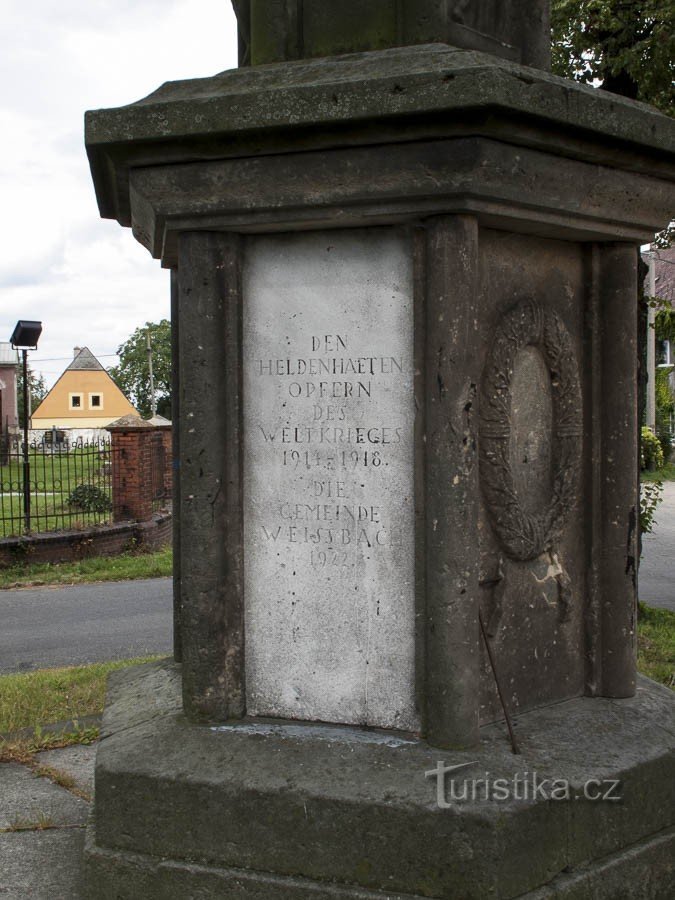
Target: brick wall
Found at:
x=132, y=458
x=102, y=540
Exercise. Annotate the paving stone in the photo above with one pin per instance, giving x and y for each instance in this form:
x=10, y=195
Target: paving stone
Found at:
x=77, y=762
x=26, y=797
x=42, y=865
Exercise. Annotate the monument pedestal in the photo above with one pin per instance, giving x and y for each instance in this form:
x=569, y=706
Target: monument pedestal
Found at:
x=404, y=291
x=274, y=809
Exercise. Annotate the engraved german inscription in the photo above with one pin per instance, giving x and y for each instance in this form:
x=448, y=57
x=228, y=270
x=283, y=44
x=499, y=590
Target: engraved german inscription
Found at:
x=328, y=423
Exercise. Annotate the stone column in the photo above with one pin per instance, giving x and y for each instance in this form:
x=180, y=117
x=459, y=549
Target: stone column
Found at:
x=453, y=360
x=211, y=541
x=131, y=469
x=175, y=464
x=619, y=488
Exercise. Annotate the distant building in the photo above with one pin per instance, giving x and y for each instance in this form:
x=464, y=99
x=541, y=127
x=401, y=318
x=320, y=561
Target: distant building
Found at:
x=85, y=396
x=664, y=265
x=9, y=362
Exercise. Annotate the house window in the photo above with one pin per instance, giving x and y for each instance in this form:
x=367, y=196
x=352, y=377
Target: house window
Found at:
x=95, y=401
x=663, y=353
x=75, y=401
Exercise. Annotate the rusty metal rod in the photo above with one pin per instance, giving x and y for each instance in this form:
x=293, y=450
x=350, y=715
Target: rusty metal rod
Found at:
x=514, y=743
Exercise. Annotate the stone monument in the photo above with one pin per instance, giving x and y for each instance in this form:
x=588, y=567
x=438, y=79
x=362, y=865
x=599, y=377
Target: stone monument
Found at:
x=403, y=261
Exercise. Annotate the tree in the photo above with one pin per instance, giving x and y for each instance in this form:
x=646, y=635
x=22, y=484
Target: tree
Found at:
x=132, y=374
x=626, y=46
x=37, y=392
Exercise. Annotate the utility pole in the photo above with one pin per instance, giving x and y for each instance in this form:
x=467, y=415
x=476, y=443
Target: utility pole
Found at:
x=651, y=344
x=153, y=404
x=26, y=458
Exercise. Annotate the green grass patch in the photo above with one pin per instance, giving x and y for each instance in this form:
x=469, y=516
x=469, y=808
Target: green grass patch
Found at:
x=96, y=568
x=667, y=473
x=47, y=696
x=30, y=699
x=656, y=644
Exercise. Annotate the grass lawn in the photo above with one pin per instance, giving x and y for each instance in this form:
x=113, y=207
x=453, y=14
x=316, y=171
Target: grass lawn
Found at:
x=34, y=699
x=96, y=568
x=667, y=473
x=656, y=644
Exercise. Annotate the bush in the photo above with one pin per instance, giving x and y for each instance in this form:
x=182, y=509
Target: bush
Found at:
x=89, y=498
x=651, y=451
x=666, y=444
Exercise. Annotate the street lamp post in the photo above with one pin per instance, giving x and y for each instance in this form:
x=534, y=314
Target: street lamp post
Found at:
x=25, y=337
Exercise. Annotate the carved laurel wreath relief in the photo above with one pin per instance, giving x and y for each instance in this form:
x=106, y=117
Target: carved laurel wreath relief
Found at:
x=523, y=535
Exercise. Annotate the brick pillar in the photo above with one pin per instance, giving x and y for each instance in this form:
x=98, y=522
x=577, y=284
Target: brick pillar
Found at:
x=132, y=440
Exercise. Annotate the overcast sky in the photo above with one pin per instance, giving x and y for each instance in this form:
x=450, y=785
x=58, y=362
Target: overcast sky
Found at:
x=86, y=278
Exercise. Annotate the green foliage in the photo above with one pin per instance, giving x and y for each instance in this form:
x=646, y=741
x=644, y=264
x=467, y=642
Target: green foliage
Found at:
x=89, y=498
x=664, y=321
x=132, y=375
x=651, y=494
x=665, y=238
x=626, y=45
x=651, y=452
x=665, y=400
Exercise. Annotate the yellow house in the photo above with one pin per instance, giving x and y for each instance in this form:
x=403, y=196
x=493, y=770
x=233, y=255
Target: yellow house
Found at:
x=85, y=396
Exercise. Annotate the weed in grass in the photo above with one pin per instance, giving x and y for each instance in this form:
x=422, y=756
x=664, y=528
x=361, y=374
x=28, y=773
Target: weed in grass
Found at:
x=56, y=776
x=21, y=750
x=40, y=823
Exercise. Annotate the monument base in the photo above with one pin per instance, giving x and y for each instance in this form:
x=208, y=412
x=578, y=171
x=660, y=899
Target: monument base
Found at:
x=269, y=809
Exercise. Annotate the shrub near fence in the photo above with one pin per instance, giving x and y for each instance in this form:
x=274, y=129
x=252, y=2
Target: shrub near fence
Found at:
x=71, y=485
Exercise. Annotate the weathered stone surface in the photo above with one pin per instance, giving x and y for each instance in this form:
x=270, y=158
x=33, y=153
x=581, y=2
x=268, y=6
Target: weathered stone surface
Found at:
x=328, y=477
x=447, y=481
x=532, y=570
x=211, y=563
x=272, y=30
x=505, y=186
x=366, y=99
x=362, y=816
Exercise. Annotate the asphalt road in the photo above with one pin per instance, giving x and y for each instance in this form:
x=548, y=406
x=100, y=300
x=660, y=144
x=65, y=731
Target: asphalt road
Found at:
x=73, y=624
x=656, y=582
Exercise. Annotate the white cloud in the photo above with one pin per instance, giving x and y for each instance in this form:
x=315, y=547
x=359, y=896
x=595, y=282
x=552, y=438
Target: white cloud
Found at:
x=87, y=279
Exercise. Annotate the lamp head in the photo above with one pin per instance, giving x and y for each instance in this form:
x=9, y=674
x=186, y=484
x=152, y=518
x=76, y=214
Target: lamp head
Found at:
x=26, y=335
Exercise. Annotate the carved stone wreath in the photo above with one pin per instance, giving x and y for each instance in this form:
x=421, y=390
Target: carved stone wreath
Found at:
x=523, y=535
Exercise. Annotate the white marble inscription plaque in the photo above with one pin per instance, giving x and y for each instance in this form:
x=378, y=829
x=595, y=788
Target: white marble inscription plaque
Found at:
x=328, y=479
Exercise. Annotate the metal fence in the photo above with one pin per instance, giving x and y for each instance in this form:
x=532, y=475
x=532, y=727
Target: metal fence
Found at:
x=70, y=484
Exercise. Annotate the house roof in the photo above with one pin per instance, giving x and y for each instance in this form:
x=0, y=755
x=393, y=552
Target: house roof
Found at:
x=664, y=275
x=85, y=359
